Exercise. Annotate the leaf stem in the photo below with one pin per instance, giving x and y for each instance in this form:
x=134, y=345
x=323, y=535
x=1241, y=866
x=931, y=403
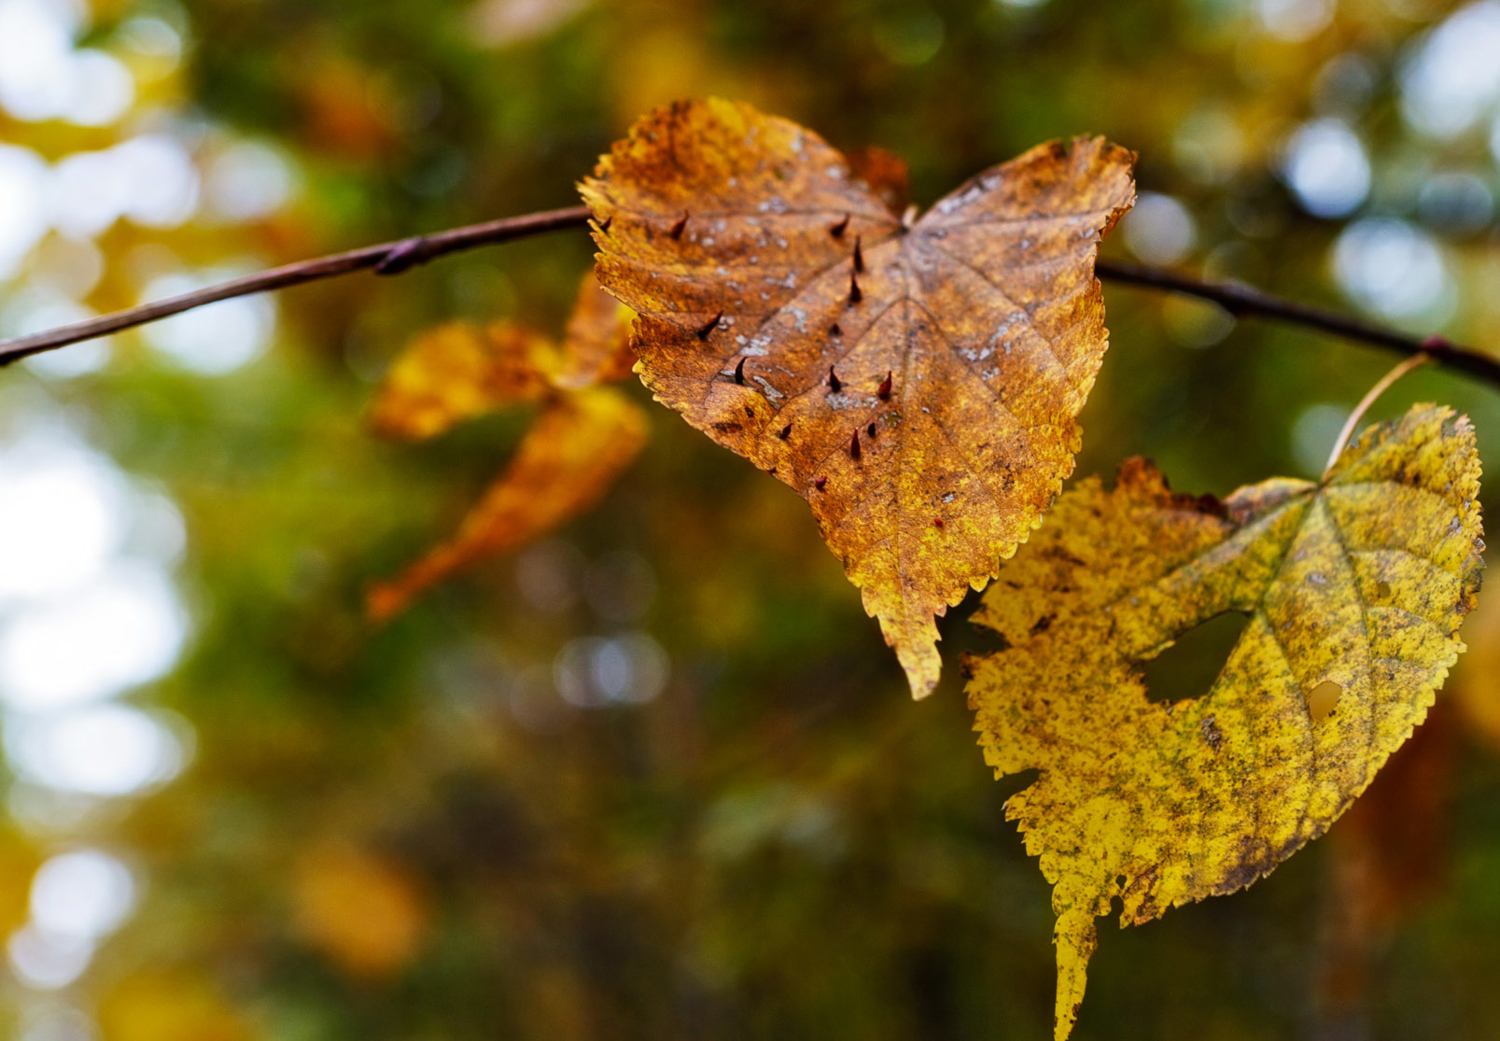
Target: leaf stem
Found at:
x=1369, y=399
x=393, y=258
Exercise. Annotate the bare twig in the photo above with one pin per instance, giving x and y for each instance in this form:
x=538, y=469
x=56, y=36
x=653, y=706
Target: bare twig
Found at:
x=388, y=258
x=392, y=258
x=1242, y=300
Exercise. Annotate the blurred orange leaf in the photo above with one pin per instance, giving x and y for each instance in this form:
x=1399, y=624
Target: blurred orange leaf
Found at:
x=566, y=462
x=459, y=371
x=917, y=384
x=596, y=343
x=1476, y=681
x=584, y=437
x=884, y=173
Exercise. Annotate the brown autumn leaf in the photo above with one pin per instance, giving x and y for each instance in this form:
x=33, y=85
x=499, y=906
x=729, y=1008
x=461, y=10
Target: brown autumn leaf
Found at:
x=1354, y=588
x=580, y=442
x=917, y=384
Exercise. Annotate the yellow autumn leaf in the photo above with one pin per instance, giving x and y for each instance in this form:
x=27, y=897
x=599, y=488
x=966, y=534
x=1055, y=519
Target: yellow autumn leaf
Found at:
x=1354, y=588
x=917, y=379
x=459, y=371
x=566, y=462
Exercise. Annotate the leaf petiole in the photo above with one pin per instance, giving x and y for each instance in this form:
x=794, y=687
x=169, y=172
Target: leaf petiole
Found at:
x=1369, y=399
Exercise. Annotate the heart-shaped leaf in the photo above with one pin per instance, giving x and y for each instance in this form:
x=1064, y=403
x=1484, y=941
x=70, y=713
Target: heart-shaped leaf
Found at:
x=917, y=382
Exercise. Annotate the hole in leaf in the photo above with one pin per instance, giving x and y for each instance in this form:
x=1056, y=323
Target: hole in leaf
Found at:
x=1188, y=668
x=1322, y=699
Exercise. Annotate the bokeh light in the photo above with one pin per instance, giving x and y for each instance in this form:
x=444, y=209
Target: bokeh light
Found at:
x=1450, y=80
x=1391, y=268
x=103, y=750
x=1327, y=169
x=1159, y=229
x=213, y=340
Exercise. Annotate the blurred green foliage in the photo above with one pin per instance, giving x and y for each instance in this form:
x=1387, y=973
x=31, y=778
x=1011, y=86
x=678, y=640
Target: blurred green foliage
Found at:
x=409, y=832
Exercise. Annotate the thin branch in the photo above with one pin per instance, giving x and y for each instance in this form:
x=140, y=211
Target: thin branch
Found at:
x=1242, y=300
x=392, y=258
x=1401, y=369
x=388, y=258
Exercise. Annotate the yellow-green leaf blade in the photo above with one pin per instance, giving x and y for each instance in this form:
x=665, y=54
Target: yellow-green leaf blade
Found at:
x=1358, y=582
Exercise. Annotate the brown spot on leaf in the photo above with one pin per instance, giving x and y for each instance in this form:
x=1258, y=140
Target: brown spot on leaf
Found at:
x=1209, y=728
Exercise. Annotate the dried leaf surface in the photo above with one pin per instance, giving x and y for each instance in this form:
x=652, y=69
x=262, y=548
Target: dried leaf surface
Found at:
x=917, y=385
x=1354, y=588
x=566, y=462
x=458, y=371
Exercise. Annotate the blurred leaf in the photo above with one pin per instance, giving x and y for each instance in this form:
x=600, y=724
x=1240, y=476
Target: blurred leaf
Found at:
x=1355, y=588
x=359, y=909
x=457, y=372
x=596, y=343
x=566, y=462
x=884, y=173
x=18, y=863
x=917, y=385
x=1391, y=854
